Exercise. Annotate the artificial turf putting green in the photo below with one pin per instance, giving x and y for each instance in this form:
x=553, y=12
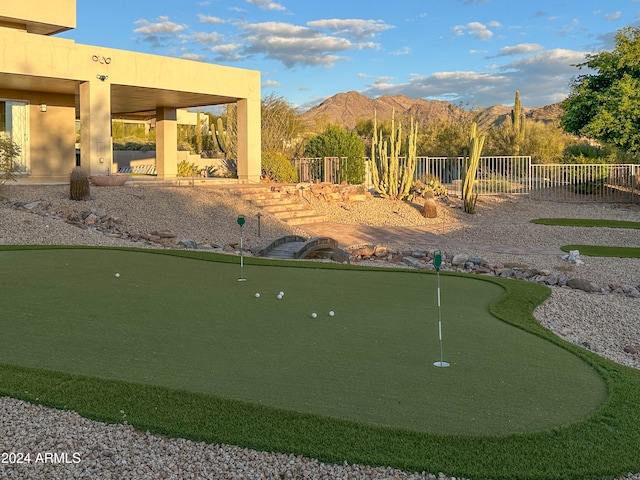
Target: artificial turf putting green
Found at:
x=189, y=325
x=586, y=222
x=604, y=251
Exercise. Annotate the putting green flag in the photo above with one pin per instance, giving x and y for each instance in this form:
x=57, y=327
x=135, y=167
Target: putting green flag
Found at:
x=241, y=220
x=437, y=260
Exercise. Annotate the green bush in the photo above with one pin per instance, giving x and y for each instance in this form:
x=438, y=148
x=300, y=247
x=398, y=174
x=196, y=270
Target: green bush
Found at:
x=337, y=142
x=278, y=168
x=582, y=153
x=186, y=169
x=135, y=145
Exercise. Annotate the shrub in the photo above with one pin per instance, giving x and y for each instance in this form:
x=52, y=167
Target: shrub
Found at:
x=186, y=169
x=586, y=153
x=278, y=168
x=9, y=153
x=135, y=145
x=337, y=142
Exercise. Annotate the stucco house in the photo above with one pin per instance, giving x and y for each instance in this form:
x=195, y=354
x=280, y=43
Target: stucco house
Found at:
x=48, y=82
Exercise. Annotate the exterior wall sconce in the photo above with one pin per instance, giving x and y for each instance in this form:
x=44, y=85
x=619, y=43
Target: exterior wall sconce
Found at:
x=102, y=78
x=43, y=107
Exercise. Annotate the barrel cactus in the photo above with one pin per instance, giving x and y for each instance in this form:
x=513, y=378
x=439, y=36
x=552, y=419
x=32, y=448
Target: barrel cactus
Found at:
x=79, y=184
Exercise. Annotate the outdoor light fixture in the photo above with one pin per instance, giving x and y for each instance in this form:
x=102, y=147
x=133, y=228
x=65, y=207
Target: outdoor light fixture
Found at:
x=43, y=107
x=102, y=78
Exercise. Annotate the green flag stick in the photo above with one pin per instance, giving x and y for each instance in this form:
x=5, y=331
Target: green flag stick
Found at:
x=437, y=261
x=241, y=223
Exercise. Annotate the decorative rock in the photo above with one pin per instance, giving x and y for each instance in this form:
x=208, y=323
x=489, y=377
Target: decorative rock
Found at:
x=380, y=251
x=582, y=284
x=366, y=251
x=412, y=262
x=631, y=349
x=459, y=259
x=188, y=243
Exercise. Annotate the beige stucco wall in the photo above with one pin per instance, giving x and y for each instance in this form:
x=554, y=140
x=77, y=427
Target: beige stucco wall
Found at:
x=55, y=150
x=38, y=59
x=51, y=133
x=47, y=16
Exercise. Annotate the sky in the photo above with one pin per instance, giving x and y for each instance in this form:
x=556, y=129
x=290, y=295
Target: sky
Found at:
x=474, y=53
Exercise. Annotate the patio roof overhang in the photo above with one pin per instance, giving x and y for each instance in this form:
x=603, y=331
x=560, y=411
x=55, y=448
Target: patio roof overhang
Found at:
x=126, y=100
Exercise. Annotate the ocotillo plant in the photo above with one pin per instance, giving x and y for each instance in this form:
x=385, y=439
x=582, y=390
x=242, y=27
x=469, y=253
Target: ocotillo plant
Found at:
x=392, y=177
x=476, y=143
x=78, y=184
x=517, y=125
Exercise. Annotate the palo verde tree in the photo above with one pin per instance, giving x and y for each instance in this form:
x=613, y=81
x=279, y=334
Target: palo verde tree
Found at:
x=605, y=105
x=335, y=141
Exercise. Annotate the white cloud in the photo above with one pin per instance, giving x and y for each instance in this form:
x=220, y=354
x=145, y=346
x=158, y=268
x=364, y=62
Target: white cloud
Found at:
x=542, y=79
x=520, y=49
x=480, y=31
x=613, y=16
x=208, y=38
x=210, y=19
x=162, y=26
x=270, y=83
x=297, y=45
x=163, y=33
x=402, y=51
x=355, y=28
x=266, y=4
x=193, y=56
x=477, y=29
x=226, y=48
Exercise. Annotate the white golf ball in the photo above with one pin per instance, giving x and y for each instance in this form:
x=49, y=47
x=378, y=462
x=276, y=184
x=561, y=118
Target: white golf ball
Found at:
x=279, y=297
x=314, y=315
x=117, y=274
x=257, y=295
x=281, y=293
x=331, y=313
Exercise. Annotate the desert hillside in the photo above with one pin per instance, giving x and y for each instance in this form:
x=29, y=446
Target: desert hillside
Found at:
x=346, y=108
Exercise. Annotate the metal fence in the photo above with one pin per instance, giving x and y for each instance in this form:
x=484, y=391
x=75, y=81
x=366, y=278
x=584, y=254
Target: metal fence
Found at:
x=325, y=169
x=504, y=175
x=584, y=183
x=495, y=176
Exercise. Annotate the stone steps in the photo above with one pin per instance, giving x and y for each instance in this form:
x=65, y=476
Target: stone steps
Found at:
x=281, y=203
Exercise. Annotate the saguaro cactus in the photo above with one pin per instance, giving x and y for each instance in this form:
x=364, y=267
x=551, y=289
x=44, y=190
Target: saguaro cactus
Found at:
x=476, y=143
x=392, y=176
x=223, y=138
x=517, y=125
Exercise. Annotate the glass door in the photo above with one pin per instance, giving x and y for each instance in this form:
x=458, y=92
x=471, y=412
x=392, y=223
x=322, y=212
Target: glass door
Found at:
x=14, y=122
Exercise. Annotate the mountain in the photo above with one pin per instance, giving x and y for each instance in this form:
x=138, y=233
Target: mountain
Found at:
x=346, y=108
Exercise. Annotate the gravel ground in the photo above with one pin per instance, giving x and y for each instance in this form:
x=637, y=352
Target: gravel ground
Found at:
x=607, y=324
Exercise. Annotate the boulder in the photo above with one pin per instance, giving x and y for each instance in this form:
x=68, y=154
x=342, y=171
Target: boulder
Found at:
x=188, y=243
x=459, y=259
x=412, y=262
x=582, y=284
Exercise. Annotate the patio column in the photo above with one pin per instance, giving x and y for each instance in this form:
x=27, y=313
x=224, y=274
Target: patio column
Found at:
x=166, y=142
x=249, y=140
x=96, y=155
